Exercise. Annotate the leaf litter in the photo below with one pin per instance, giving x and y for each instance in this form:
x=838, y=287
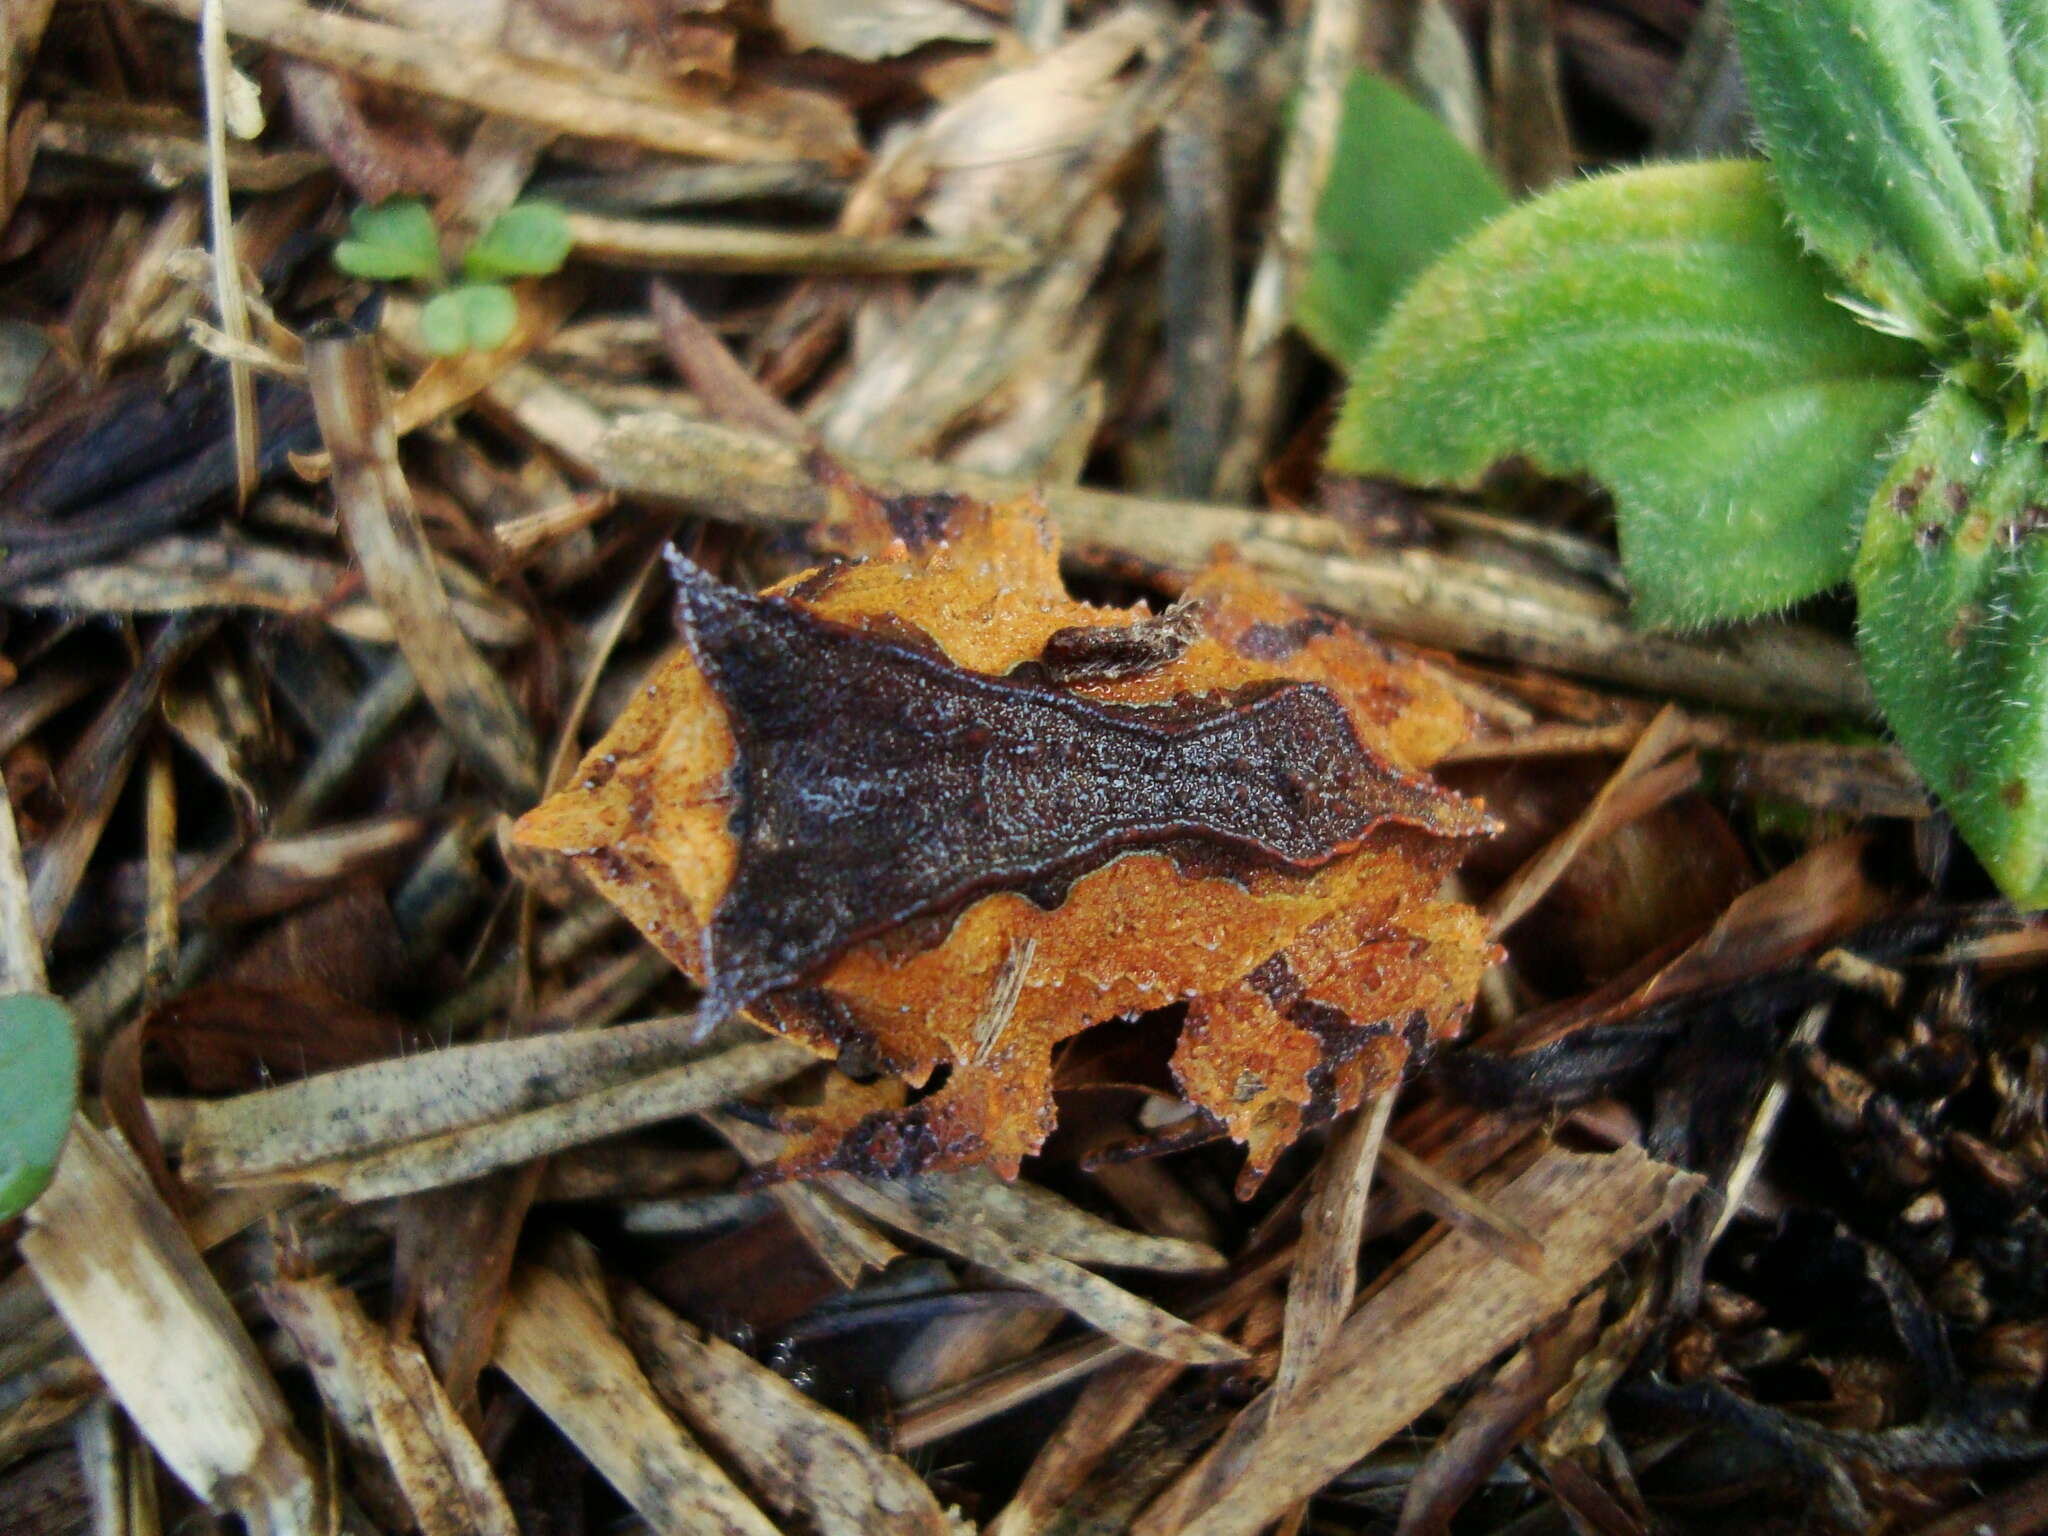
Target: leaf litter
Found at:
x=1346, y=1168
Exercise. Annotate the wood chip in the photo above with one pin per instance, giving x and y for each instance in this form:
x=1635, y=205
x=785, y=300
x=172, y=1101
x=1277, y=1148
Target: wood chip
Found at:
x=1428, y=1328
x=354, y=406
x=844, y=1242
x=190, y=571
x=136, y=1295
x=1031, y=1214
x=413, y=1123
x=608, y=105
x=811, y=1465
x=559, y=1349
x=391, y=1410
x=1117, y=1312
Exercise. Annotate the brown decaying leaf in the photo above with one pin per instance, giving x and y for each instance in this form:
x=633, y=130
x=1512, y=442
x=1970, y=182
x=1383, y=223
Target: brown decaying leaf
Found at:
x=1306, y=986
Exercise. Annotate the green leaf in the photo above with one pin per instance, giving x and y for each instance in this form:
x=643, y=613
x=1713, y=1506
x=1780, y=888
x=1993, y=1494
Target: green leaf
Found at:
x=1952, y=593
x=526, y=240
x=1401, y=190
x=391, y=242
x=1901, y=142
x=38, y=1093
x=1660, y=330
x=473, y=317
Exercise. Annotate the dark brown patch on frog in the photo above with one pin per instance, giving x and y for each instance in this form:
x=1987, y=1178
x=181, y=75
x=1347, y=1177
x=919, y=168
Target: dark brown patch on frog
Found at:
x=816, y=1015
x=1958, y=497
x=817, y=583
x=922, y=521
x=1106, y=653
x=1266, y=641
x=877, y=783
x=1931, y=536
x=2013, y=792
x=898, y=1143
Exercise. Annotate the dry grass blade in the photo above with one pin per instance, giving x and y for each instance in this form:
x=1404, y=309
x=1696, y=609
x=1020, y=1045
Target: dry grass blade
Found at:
x=1762, y=1123
x=136, y=1295
x=843, y=1242
x=1621, y=797
x=1415, y=594
x=1325, y=1275
x=958, y=1408
x=415, y=1121
x=190, y=571
x=559, y=1349
x=354, y=407
x=1494, y=1418
x=465, y=1154
x=1325, y=1278
x=21, y=33
x=675, y=246
x=1330, y=54
x=21, y=947
x=588, y=103
x=811, y=1465
x=1128, y=1318
x=1108, y=1407
x=1428, y=1328
x=97, y=767
x=229, y=299
x=701, y=358
x=1029, y=1214
x=384, y=1103
x=391, y=1411
x=1448, y=1200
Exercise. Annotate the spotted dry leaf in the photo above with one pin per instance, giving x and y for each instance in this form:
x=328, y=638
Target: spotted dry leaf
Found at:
x=922, y=808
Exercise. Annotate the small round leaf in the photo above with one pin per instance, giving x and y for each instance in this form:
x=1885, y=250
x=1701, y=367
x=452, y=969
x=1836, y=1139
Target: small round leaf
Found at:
x=474, y=317
x=526, y=240
x=390, y=243
x=38, y=1093
x=493, y=314
x=444, y=324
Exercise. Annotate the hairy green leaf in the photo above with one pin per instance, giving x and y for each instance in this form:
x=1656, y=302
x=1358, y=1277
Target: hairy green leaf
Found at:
x=526, y=240
x=1900, y=141
x=1401, y=190
x=392, y=242
x=1952, y=593
x=1660, y=330
x=472, y=317
x=38, y=1092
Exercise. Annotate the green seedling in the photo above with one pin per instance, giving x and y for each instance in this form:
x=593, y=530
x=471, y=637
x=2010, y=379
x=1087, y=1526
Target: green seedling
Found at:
x=1829, y=367
x=397, y=242
x=38, y=1093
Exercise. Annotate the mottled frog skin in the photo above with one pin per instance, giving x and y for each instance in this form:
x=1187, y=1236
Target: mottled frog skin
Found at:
x=921, y=808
